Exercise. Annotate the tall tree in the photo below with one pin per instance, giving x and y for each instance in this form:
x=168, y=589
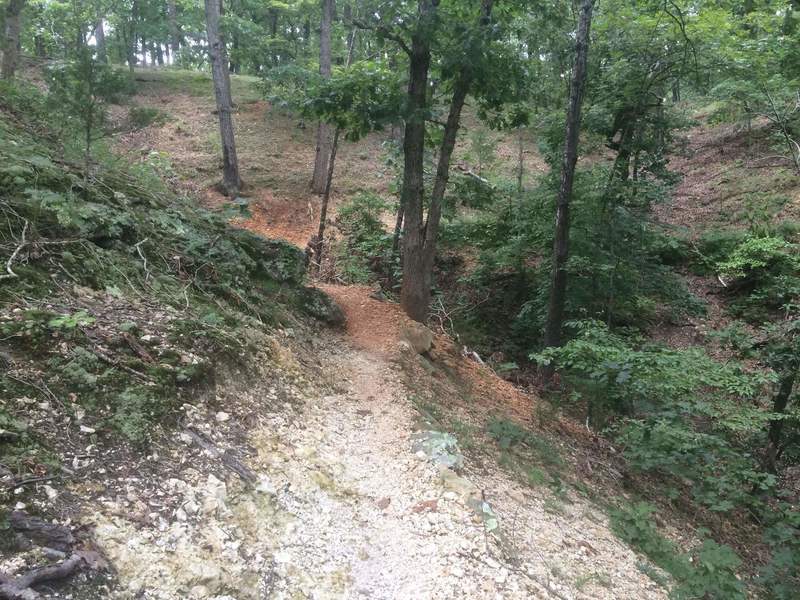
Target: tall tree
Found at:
x=558, y=290
x=100, y=40
x=11, y=39
x=413, y=294
x=231, y=181
x=174, y=30
x=318, y=181
x=420, y=247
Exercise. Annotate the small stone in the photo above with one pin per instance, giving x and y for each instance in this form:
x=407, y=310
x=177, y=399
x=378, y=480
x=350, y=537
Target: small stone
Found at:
x=50, y=492
x=85, y=429
x=222, y=416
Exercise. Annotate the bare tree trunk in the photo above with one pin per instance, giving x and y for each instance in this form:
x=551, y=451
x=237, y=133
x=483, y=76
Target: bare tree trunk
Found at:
x=323, y=129
x=231, y=182
x=100, y=41
x=11, y=41
x=318, y=243
x=420, y=241
x=558, y=291
x=775, y=431
x=144, y=51
x=174, y=31
x=520, y=159
x=160, y=54
x=413, y=294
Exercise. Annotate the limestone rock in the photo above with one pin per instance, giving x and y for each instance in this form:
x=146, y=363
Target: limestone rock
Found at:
x=419, y=337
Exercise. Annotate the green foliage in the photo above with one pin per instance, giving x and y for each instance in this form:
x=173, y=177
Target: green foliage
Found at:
x=364, y=97
x=618, y=268
x=687, y=414
x=780, y=577
x=102, y=250
x=144, y=116
x=482, y=151
x=80, y=90
x=709, y=571
x=766, y=271
x=365, y=252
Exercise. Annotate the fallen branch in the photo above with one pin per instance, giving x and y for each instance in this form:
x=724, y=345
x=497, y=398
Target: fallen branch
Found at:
x=10, y=272
x=227, y=459
x=20, y=587
x=138, y=247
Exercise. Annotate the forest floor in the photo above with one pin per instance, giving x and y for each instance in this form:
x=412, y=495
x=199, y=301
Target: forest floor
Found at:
x=326, y=473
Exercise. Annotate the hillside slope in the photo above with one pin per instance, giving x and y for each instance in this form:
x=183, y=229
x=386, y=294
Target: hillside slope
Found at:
x=185, y=428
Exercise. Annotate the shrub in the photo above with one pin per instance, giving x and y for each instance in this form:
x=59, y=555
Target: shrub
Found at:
x=709, y=571
x=364, y=254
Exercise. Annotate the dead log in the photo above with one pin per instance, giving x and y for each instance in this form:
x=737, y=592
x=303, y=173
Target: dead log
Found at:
x=40, y=532
x=20, y=588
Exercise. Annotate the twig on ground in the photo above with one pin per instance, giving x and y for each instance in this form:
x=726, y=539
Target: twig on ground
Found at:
x=23, y=242
x=138, y=246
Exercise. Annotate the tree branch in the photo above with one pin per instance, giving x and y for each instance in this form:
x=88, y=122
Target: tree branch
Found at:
x=385, y=32
x=10, y=273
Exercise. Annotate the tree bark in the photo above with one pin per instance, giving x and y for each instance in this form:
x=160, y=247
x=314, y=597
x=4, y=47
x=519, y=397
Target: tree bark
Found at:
x=11, y=41
x=323, y=129
x=318, y=243
x=100, y=41
x=775, y=431
x=412, y=293
x=174, y=31
x=558, y=290
x=419, y=248
x=231, y=182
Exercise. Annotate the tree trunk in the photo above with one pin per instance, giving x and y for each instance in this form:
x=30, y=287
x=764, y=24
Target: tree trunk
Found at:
x=558, y=290
x=174, y=31
x=520, y=159
x=775, y=432
x=420, y=240
x=231, y=182
x=413, y=295
x=100, y=41
x=273, y=34
x=11, y=41
x=323, y=129
x=318, y=243
x=160, y=55
x=144, y=51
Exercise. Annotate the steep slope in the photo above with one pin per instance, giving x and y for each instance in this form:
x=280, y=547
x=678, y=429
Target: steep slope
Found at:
x=279, y=458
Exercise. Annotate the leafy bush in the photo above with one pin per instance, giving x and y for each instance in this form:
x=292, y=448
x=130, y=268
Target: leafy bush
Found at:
x=709, y=571
x=766, y=270
x=144, y=116
x=687, y=415
x=364, y=254
x=618, y=266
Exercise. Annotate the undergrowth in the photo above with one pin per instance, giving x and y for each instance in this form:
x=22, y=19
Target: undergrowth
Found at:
x=119, y=298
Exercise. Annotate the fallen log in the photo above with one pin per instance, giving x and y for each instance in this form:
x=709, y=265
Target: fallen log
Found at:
x=20, y=588
x=40, y=532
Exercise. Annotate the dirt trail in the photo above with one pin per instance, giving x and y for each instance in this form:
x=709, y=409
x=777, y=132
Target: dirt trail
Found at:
x=344, y=503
